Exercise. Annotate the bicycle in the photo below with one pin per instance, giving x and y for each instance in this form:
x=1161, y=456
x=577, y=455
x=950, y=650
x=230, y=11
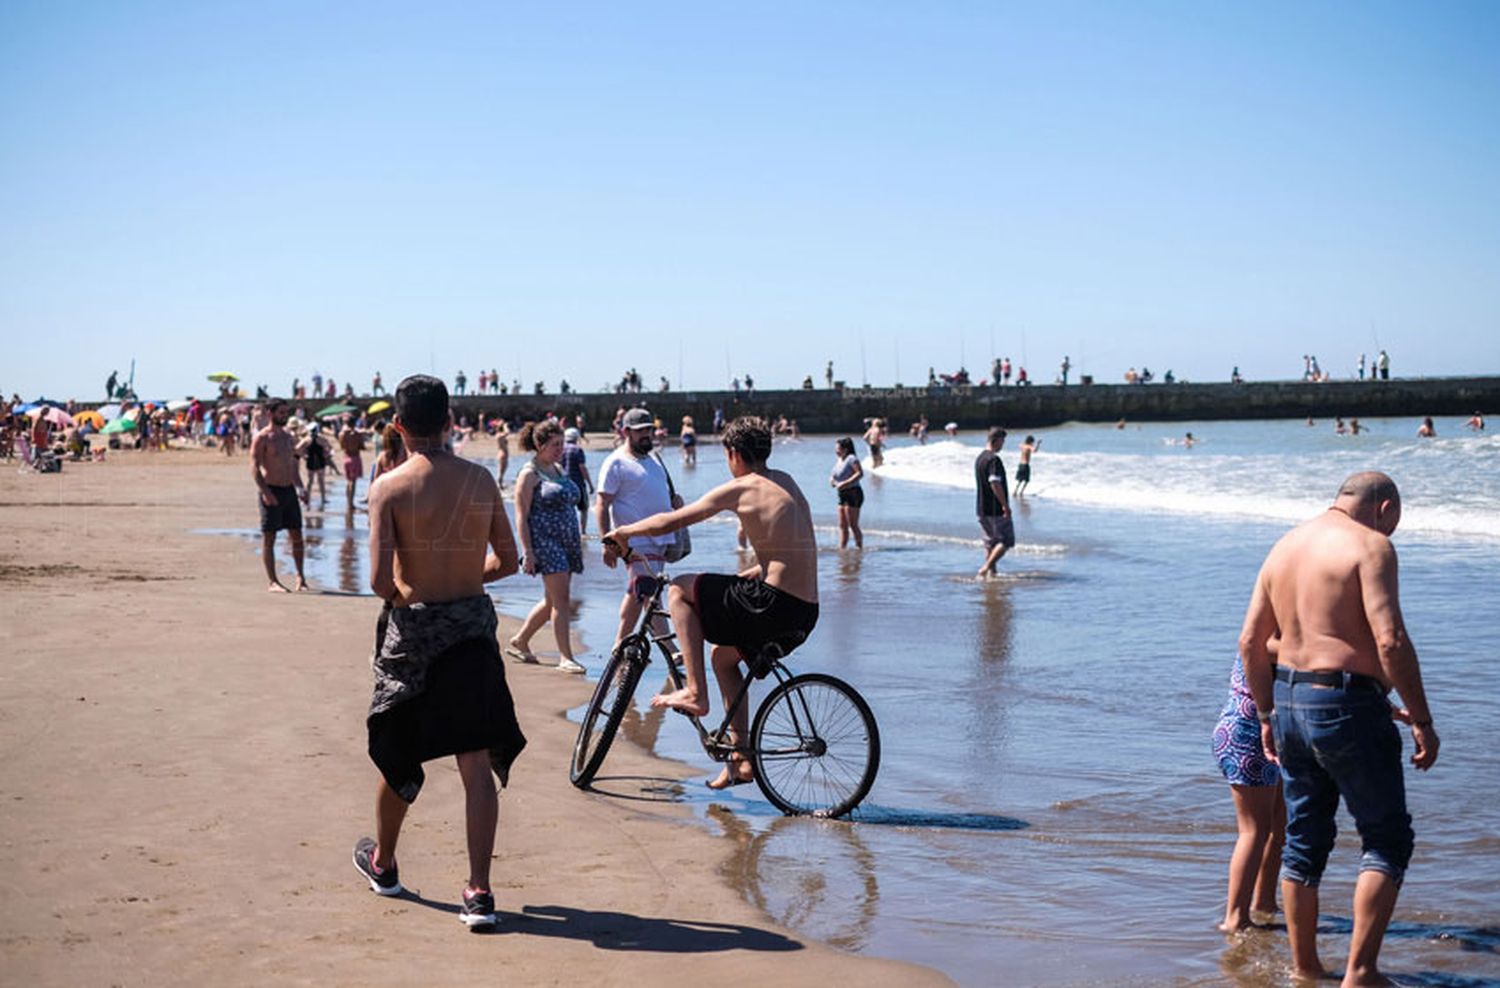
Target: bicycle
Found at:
x=814, y=745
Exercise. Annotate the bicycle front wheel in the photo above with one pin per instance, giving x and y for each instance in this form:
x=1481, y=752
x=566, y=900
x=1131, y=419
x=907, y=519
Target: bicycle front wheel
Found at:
x=605, y=711
x=815, y=746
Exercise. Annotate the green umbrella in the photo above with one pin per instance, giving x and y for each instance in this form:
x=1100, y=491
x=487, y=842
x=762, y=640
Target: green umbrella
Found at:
x=336, y=410
x=222, y=376
x=119, y=425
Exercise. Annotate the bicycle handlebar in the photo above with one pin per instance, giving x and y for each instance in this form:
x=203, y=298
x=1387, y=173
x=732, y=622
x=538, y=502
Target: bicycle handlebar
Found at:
x=623, y=551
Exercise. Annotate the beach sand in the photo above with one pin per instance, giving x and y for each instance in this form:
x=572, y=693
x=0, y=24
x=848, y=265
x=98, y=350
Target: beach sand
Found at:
x=184, y=777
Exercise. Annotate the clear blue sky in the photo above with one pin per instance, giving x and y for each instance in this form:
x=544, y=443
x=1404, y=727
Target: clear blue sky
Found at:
x=700, y=190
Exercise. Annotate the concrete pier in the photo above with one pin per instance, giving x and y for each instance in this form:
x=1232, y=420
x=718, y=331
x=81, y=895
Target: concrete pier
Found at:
x=973, y=407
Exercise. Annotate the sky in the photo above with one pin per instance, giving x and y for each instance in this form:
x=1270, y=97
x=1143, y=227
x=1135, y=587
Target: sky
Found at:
x=706, y=190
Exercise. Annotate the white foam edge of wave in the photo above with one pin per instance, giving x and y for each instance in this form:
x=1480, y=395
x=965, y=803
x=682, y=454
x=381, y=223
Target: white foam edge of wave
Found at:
x=950, y=464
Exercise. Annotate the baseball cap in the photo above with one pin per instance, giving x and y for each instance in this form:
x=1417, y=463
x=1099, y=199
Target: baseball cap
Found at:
x=637, y=418
x=571, y=435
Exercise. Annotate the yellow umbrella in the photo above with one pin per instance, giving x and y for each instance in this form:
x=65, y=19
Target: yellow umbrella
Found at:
x=93, y=418
x=377, y=406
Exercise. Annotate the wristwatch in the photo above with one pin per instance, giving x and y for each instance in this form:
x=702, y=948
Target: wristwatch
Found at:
x=1264, y=716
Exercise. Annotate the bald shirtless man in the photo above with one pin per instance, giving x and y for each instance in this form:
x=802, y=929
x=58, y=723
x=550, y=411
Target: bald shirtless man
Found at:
x=273, y=464
x=1326, y=602
x=438, y=534
x=775, y=600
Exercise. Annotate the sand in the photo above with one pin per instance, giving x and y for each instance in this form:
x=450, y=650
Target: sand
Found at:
x=184, y=777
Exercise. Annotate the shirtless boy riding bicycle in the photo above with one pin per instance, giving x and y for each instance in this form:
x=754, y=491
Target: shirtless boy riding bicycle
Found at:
x=775, y=600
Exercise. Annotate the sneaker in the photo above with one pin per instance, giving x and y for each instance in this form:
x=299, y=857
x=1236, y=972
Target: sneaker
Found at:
x=566, y=664
x=384, y=882
x=478, y=910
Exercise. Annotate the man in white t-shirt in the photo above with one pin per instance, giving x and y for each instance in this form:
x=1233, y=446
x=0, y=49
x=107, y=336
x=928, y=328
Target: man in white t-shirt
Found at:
x=632, y=486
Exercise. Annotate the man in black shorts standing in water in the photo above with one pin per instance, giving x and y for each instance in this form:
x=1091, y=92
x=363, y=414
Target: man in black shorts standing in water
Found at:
x=273, y=464
x=775, y=600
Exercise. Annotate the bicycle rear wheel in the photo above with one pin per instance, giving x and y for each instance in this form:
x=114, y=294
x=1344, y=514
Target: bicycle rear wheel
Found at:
x=605, y=711
x=815, y=746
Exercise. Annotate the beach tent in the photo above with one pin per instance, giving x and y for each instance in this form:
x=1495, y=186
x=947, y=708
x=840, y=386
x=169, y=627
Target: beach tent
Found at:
x=90, y=418
x=336, y=410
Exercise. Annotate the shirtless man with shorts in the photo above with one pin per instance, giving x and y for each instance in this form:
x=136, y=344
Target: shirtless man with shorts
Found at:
x=438, y=533
x=776, y=598
x=1325, y=603
x=273, y=464
x=352, y=442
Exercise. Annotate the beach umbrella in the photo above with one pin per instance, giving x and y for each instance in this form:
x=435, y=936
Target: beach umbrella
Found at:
x=220, y=376
x=56, y=416
x=108, y=411
x=179, y=404
x=336, y=410
x=92, y=418
x=119, y=425
x=378, y=406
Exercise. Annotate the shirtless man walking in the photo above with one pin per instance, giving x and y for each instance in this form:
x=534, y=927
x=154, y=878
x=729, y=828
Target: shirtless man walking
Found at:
x=273, y=464
x=775, y=600
x=1326, y=603
x=438, y=534
x=352, y=442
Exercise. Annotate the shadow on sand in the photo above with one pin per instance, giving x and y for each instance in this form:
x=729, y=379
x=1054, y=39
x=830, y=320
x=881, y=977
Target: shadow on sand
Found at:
x=625, y=931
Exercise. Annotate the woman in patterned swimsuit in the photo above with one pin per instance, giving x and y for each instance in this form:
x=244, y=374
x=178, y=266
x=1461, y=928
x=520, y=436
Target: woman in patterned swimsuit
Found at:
x=551, y=545
x=1258, y=807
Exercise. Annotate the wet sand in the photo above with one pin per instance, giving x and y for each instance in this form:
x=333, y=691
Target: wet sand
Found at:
x=185, y=775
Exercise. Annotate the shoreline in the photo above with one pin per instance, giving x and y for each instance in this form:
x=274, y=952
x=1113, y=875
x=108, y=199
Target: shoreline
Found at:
x=187, y=774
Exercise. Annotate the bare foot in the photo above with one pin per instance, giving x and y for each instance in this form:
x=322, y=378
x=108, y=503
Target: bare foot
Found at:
x=1234, y=924
x=1316, y=974
x=276, y=587
x=984, y=574
x=736, y=773
x=301, y=585
x=681, y=701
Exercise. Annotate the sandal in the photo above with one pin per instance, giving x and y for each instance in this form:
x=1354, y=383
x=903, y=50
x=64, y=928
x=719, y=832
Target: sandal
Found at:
x=521, y=655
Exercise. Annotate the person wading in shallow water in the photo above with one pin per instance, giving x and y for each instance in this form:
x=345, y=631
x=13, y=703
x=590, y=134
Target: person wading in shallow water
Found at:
x=1326, y=602
x=273, y=464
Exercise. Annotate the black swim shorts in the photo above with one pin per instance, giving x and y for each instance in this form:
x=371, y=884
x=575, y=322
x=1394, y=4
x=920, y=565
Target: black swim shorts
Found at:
x=746, y=613
x=1023, y=472
x=285, y=513
x=854, y=496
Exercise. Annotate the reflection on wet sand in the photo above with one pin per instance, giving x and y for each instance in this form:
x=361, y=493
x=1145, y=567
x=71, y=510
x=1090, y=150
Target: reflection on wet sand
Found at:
x=642, y=722
x=811, y=875
x=349, y=557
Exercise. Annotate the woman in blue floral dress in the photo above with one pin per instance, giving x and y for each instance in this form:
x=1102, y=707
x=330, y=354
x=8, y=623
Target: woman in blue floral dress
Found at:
x=1259, y=810
x=551, y=544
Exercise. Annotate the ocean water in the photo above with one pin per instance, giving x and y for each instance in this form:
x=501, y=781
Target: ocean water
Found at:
x=1048, y=810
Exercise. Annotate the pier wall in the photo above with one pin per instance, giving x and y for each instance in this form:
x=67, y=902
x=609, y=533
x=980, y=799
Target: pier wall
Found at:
x=974, y=407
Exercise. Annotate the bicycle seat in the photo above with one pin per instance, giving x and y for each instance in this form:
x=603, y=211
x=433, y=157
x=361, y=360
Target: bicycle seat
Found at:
x=776, y=648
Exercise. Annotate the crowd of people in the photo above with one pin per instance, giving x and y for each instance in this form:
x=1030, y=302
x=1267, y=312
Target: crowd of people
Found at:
x=1308, y=721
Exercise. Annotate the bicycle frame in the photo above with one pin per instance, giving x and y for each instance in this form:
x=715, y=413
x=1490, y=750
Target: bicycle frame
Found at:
x=715, y=743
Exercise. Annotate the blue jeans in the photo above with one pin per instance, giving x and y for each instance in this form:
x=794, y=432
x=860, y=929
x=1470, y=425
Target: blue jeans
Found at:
x=1340, y=741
